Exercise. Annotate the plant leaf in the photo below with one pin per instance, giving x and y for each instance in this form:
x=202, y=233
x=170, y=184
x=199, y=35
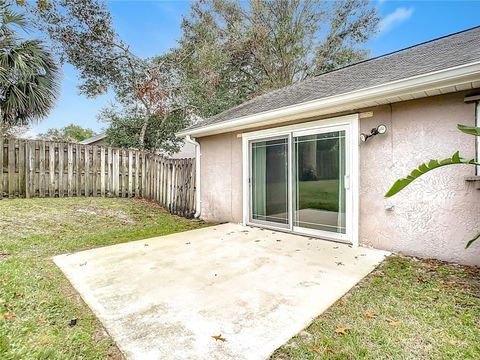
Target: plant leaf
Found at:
x=472, y=241
x=342, y=330
x=219, y=338
x=426, y=167
x=471, y=130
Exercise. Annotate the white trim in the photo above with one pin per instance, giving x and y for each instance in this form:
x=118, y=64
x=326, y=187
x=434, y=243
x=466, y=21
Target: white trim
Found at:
x=425, y=82
x=477, y=138
x=198, y=154
x=349, y=122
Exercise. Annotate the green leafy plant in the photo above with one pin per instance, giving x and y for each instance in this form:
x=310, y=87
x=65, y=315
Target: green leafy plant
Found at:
x=456, y=159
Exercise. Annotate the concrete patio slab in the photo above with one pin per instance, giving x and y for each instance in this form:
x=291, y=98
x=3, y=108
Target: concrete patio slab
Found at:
x=165, y=297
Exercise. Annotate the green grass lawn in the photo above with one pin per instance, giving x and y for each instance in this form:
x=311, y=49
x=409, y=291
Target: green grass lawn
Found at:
x=38, y=306
x=320, y=194
x=406, y=309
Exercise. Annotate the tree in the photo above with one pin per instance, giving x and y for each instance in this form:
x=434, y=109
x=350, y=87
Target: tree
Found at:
x=159, y=134
x=83, y=34
x=29, y=76
x=70, y=133
x=456, y=159
x=236, y=50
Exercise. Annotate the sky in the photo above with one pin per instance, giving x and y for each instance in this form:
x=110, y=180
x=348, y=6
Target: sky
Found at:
x=152, y=27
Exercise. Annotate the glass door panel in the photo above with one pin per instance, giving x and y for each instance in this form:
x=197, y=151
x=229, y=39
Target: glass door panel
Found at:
x=269, y=181
x=318, y=180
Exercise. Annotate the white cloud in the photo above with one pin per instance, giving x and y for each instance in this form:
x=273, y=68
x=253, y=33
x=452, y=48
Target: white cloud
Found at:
x=400, y=15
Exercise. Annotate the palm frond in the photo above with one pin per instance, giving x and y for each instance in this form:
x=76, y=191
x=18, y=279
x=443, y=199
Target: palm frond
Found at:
x=471, y=130
x=472, y=241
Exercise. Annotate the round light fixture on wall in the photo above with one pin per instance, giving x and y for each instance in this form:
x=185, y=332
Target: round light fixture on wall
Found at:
x=380, y=129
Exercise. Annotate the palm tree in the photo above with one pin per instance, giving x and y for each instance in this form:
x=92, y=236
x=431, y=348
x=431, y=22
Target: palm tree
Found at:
x=29, y=75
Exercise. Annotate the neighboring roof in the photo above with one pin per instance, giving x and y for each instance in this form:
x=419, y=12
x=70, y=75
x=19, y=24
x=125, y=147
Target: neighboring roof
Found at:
x=93, y=139
x=186, y=151
x=443, y=53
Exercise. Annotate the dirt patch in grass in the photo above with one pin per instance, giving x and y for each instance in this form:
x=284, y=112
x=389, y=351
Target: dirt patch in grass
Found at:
x=406, y=308
x=4, y=256
x=108, y=213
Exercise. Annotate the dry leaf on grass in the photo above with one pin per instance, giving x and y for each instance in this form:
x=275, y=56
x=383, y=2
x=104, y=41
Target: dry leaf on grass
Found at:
x=370, y=315
x=393, y=322
x=342, y=330
x=315, y=350
x=378, y=273
x=7, y=315
x=454, y=342
x=219, y=338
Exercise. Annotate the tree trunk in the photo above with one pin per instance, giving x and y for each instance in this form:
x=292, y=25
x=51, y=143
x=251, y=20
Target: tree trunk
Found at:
x=141, y=137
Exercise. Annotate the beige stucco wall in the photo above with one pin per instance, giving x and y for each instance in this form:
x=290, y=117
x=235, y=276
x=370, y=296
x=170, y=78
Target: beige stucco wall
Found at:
x=433, y=217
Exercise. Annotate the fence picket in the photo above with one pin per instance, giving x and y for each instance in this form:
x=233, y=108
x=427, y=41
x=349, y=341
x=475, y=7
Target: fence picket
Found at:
x=61, y=168
x=87, y=171
x=102, y=171
x=94, y=175
x=51, y=170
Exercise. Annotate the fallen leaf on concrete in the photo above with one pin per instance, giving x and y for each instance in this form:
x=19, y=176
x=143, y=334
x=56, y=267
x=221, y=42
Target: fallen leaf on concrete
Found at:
x=339, y=263
x=342, y=330
x=219, y=338
x=393, y=322
x=370, y=315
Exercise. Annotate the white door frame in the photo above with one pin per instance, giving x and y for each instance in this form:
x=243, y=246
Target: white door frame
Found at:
x=349, y=121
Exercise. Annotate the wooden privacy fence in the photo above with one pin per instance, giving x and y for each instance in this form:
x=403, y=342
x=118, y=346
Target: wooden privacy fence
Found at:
x=33, y=168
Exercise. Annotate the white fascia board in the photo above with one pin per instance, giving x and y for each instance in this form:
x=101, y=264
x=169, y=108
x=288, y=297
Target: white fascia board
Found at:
x=430, y=81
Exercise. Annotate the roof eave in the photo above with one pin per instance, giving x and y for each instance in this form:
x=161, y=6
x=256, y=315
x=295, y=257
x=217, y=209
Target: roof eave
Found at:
x=425, y=82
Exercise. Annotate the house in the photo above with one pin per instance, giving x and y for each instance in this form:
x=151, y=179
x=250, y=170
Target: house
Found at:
x=99, y=139
x=293, y=160
x=187, y=150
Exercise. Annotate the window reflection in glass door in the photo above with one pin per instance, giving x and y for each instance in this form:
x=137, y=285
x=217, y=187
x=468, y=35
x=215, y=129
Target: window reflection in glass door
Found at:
x=269, y=181
x=319, y=188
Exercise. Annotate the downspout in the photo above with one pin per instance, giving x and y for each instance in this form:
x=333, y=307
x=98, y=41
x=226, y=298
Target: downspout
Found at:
x=198, y=201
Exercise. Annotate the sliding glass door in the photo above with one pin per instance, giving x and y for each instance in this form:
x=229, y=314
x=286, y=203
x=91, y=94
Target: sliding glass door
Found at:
x=269, y=181
x=300, y=181
x=319, y=169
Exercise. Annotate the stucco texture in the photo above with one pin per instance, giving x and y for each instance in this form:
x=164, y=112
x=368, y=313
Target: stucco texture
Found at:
x=434, y=217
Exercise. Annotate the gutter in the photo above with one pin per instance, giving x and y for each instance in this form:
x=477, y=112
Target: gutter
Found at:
x=198, y=201
x=355, y=99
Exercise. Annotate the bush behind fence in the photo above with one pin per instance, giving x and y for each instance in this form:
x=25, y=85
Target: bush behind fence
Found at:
x=35, y=168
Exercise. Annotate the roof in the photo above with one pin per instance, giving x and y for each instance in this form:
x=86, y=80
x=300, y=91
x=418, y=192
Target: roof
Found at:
x=446, y=52
x=93, y=139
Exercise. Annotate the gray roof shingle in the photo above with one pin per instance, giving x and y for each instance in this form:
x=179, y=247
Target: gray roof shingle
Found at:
x=442, y=53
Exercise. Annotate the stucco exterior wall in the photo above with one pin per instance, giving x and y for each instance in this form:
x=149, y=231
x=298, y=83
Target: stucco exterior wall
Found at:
x=433, y=217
